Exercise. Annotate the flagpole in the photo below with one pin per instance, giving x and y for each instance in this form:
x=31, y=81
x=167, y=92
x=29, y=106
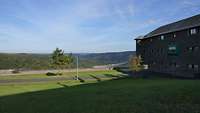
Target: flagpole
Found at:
x=77, y=68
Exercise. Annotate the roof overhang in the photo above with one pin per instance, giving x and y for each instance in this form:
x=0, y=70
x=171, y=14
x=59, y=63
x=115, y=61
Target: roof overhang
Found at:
x=170, y=31
x=139, y=38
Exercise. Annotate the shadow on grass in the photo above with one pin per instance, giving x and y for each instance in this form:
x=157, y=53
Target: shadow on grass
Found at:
x=81, y=79
x=125, y=95
x=111, y=75
x=97, y=78
x=68, y=99
x=61, y=84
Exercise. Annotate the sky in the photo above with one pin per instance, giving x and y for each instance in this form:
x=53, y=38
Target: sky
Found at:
x=82, y=26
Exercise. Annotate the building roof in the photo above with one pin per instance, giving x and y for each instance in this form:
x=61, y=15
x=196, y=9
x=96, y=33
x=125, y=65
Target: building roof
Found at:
x=190, y=22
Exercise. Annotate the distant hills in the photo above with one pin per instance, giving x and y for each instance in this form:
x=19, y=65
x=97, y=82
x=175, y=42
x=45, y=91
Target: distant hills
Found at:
x=105, y=58
x=41, y=61
x=24, y=61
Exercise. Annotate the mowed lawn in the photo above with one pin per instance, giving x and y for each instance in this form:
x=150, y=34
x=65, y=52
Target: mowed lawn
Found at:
x=66, y=74
x=29, y=83
x=123, y=95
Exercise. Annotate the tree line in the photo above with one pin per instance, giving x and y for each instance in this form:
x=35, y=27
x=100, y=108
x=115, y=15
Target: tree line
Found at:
x=44, y=61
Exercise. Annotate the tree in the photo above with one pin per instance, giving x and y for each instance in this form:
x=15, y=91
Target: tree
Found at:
x=136, y=63
x=70, y=60
x=60, y=60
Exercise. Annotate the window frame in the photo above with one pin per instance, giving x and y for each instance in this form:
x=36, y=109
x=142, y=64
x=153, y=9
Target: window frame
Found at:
x=193, y=31
x=174, y=35
x=162, y=37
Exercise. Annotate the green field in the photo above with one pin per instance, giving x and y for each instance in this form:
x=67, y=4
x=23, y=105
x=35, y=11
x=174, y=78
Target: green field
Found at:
x=69, y=80
x=122, y=95
x=67, y=74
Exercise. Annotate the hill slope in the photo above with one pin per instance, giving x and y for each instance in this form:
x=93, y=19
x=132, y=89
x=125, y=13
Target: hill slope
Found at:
x=104, y=58
x=42, y=61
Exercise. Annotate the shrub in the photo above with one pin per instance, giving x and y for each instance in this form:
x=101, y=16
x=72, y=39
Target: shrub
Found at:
x=59, y=74
x=80, y=79
x=51, y=74
x=136, y=63
x=15, y=71
x=117, y=68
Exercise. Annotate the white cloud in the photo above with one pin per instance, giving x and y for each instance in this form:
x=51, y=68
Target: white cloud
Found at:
x=81, y=25
x=188, y=3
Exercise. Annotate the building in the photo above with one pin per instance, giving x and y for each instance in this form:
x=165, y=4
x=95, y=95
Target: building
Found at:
x=172, y=48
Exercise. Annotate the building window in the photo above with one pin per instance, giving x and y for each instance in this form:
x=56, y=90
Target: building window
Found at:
x=158, y=50
x=193, y=66
x=190, y=66
x=143, y=50
x=172, y=49
x=190, y=48
x=174, y=64
x=146, y=66
x=151, y=50
x=196, y=48
x=161, y=50
x=193, y=31
x=138, y=41
x=174, y=35
x=196, y=66
x=162, y=37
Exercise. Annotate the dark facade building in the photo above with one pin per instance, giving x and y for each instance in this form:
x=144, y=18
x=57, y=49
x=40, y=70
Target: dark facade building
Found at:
x=172, y=48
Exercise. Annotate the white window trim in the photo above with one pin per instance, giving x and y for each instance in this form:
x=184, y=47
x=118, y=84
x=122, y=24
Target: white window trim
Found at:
x=138, y=41
x=196, y=66
x=193, y=31
x=162, y=37
x=190, y=66
x=174, y=35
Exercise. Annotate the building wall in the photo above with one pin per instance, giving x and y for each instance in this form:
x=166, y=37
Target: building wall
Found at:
x=156, y=54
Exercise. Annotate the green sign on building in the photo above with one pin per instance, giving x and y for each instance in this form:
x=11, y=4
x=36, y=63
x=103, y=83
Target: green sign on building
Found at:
x=172, y=49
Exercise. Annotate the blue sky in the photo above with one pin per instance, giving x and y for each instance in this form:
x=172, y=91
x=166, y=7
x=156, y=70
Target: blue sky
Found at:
x=39, y=26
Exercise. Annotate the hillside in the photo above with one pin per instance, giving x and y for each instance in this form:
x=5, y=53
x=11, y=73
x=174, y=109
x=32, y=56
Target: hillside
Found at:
x=26, y=61
x=42, y=61
x=104, y=58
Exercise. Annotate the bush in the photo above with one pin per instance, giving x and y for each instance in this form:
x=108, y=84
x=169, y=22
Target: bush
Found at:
x=51, y=74
x=59, y=74
x=81, y=80
x=136, y=63
x=15, y=71
x=117, y=68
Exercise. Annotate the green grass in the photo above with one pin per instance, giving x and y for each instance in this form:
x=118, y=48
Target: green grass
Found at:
x=68, y=74
x=88, y=77
x=126, y=95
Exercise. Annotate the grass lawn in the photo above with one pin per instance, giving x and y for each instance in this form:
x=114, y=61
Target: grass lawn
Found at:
x=127, y=95
x=68, y=74
x=88, y=77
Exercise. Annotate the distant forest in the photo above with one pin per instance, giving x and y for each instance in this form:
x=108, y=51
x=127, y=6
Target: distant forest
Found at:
x=42, y=61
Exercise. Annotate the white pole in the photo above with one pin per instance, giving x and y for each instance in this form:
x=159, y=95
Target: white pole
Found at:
x=77, y=68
